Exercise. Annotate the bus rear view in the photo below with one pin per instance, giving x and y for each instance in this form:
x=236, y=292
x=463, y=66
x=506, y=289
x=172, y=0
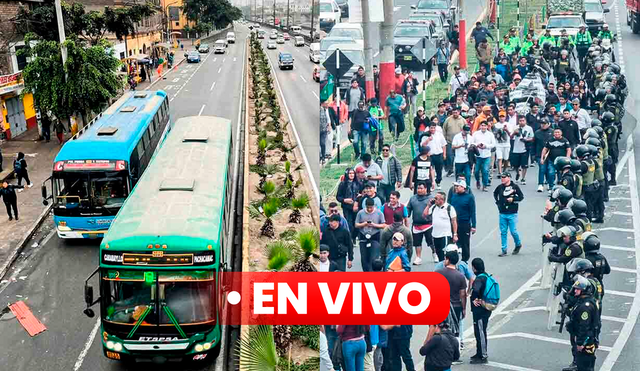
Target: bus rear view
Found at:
x=95, y=171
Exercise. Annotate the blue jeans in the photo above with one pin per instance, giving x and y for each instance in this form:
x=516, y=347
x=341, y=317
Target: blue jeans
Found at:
x=546, y=170
x=353, y=352
x=509, y=221
x=482, y=164
x=463, y=169
x=360, y=142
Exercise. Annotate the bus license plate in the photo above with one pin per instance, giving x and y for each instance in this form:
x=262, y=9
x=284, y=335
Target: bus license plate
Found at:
x=113, y=355
x=199, y=357
x=408, y=57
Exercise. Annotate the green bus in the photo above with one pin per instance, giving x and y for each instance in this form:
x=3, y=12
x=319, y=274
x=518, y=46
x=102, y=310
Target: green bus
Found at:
x=162, y=258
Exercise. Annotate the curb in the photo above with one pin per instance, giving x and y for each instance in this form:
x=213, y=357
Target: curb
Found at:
x=23, y=241
x=454, y=58
x=159, y=78
x=245, y=191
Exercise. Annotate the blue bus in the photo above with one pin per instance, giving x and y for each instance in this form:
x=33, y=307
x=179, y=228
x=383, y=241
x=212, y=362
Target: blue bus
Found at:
x=96, y=169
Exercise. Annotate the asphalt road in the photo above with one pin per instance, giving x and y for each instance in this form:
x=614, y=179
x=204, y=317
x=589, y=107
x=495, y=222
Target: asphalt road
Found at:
x=301, y=99
x=518, y=335
x=50, y=277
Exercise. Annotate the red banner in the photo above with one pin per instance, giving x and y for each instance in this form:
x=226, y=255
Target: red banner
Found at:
x=338, y=298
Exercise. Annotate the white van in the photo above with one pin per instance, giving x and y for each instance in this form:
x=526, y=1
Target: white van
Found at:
x=296, y=30
x=314, y=52
x=298, y=41
x=330, y=14
x=231, y=37
x=350, y=30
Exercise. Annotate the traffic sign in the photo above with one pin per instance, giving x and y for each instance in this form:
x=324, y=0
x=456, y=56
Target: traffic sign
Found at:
x=337, y=64
x=424, y=50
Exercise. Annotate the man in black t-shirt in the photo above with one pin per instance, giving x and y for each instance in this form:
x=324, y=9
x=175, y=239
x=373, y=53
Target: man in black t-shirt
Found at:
x=541, y=137
x=569, y=128
x=558, y=146
x=457, y=288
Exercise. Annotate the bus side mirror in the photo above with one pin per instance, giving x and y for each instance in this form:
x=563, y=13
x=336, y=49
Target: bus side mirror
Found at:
x=44, y=192
x=88, y=294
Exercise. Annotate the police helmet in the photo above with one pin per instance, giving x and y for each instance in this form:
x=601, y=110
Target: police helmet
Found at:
x=599, y=130
x=566, y=231
x=555, y=192
x=590, y=242
x=615, y=68
x=579, y=208
x=610, y=98
x=600, y=93
x=576, y=166
x=596, y=123
x=562, y=162
x=582, y=284
x=582, y=151
x=593, y=149
x=564, y=196
x=577, y=265
x=590, y=133
x=566, y=216
x=608, y=118
x=593, y=142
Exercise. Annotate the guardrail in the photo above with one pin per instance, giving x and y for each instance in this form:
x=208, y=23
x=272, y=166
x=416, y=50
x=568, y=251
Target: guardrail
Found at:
x=307, y=38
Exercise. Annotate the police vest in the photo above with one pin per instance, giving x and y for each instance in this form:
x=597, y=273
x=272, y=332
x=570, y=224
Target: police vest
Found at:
x=599, y=264
x=583, y=224
x=597, y=290
x=506, y=47
x=588, y=177
x=583, y=38
x=605, y=149
x=577, y=181
x=567, y=180
x=599, y=173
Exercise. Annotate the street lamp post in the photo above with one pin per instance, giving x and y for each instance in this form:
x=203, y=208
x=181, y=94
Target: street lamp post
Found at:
x=288, y=26
x=312, y=11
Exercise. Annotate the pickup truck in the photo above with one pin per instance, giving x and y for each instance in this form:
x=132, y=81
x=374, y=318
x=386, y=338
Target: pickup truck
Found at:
x=565, y=15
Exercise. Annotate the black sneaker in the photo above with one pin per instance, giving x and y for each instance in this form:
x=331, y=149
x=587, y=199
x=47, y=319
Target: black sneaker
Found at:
x=571, y=367
x=10, y=218
x=517, y=250
x=502, y=254
x=476, y=361
x=517, y=176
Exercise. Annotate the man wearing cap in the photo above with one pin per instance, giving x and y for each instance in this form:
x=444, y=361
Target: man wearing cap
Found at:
x=457, y=291
x=507, y=195
x=340, y=245
x=397, y=260
x=458, y=80
x=465, y=205
x=541, y=138
x=505, y=45
x=373, y=172
x=452, y=126
x=325, y=265
x=394, y=108
x=514, y=39
x=484, y=142
x=547, y=38
x=398, y=81
x=582, y=116
x=460, y=146
x=368, y=193
x=482, y=117
x=369, y=223
x=438, y=146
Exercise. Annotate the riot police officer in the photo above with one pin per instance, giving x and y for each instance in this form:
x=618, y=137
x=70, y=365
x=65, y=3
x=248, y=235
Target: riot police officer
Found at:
x=560, y=198
x=576, y=169
x=583, y=325
x=590, y=186
x=579, y=208
x=563, y=167
x=603, y=194
x=611, y=131
x=591, y=246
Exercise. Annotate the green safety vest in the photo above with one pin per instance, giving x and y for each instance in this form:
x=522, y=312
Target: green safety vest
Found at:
x=525, y=47
x=547, y=39
x=599, y=169
x=508, y=49
x=583, y=39
x=514, y=41
x=605, y=35
x=559, y=40
x=589, y=176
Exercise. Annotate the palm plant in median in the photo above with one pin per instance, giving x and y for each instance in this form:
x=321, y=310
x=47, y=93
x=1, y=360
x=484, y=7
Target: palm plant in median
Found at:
x=269, y=209
x=308, y=240
x=279, y=255
x=258, y=350
x=298, y=204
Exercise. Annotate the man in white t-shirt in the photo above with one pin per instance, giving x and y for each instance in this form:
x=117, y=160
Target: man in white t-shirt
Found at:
x=503, y=141
x=445, y=225
x=484, y=142
x=521, y=136
x=460, y=146
x=438, y=145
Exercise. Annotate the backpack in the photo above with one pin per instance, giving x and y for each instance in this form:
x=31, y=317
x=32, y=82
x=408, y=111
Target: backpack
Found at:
x=17, y=165
x=433, y=207
x=373, y=124
x=491, y=295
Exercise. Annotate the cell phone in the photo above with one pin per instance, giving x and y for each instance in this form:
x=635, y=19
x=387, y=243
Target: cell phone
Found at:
x=369, y=221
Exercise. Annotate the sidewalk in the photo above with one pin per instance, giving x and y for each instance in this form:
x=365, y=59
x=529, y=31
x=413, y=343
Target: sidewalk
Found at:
x=39, y=156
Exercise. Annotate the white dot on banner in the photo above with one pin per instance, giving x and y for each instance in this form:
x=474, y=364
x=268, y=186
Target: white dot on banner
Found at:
x=233, y=297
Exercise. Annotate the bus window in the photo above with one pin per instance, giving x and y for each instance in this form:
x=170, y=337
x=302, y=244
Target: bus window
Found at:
x=146, y=139
x=140, y=149
x=110, y=190
x=153, y=126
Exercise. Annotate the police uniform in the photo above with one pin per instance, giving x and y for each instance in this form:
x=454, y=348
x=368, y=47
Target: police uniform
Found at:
x=583, y=224
x=566, y=253
x=578, y=184
x=567, y=180
x=602, y=188
x=590, y=186
x=611, y=135
x=584, y=323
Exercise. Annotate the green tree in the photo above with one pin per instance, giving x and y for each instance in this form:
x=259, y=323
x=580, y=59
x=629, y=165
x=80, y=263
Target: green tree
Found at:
x=91, y=76
x=218, y=13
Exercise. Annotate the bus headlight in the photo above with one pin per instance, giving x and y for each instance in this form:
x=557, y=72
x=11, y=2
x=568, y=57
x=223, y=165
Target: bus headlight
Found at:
x=110, y=344
x=64, y=229
x=117, y=347
x=199, y=348
x=207, y=346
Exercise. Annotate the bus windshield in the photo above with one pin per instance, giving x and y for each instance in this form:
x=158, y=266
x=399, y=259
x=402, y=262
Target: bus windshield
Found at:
x=90, y=190
x=159, y=297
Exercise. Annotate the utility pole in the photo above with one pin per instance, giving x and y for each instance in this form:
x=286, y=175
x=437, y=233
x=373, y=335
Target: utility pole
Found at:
x=387, y=57
x=61, y=34
x=288, y=26
x=312, y=12
x=263, y=12
x=369, y=88
x=274, y=13
x=463, y=36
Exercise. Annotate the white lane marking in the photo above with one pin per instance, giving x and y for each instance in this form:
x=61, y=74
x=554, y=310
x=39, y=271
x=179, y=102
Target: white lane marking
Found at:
x=377, y=53
x=212, y=85
x=619, y=198
x=625, y=270
x=523, y=310
x=618, y=248
x=539, y=337
x=224, y=59
x=201, y=109
x=505, y=366
x=215, y=59
x=234, y=59
x=316, y=191
x=314, y=93
x=623, y=213
x=176, y=79
x=87, y=345
x=621, y=293
x=615, y=229
x=628, y=153
x=303, y=79
x=614, y=319
x=396, y=8
x=219, y=69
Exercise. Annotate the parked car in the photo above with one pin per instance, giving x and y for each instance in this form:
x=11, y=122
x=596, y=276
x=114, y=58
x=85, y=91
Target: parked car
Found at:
x=219, y=47
x=204, y=48
x=285, y=60
x=192, y=56
x=298, y=41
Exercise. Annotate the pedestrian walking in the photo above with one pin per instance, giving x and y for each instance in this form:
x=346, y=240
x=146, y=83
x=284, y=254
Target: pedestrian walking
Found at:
x=452, y=126
x=461, y=145
x=373, y=172
x=457, y=292
x=507, y=195
x=440, y=348
x=46, y=127
x=394, y=113
x=555, y=147
x=480, y=313
x=399, y=344
x=377, y=131
x=421, y=170
x=325, y=129
x=348, y=192
x=442, y=61
x=397, y=260
x=438, y=150
x=445, y=226
x=410, y=91
x=369, y=223
x=464, y=203
x=522, y=136
x=340, y=244
x=60, y=131
x=391, y=172
x=398, y=226
x=8, y=194
x=485, y=142
x=333, y=210
x=20, y=169
x=354, y=346
x=326, y=265
x=394, y=207
x=325, y=358
x=421, y=226
x=360, y=129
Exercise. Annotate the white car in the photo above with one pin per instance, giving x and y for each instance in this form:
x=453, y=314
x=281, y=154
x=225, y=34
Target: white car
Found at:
x=280, y=40
x=231, y=38
x=220, y=47
x=271, y=45
x=330, y=14
x=298, y=41
x=350, y=30
x=314, y=52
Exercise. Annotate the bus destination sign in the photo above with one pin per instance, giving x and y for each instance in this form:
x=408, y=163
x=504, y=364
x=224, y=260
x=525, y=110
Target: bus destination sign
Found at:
x=157, y=258
x=88, y=165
